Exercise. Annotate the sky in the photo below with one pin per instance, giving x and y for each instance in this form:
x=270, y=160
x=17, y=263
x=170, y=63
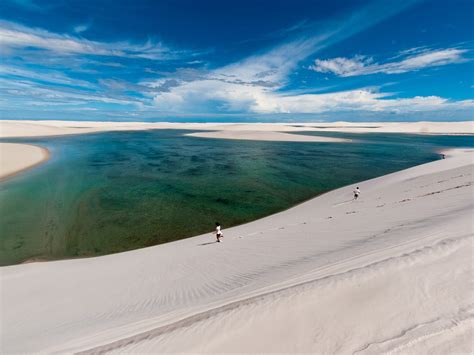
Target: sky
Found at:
x=184, y=60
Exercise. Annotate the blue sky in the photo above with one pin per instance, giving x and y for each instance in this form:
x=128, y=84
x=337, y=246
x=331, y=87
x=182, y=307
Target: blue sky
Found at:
x=237, y=60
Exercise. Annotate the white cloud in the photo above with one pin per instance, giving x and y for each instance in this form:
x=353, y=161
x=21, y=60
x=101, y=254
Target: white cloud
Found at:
x=14, y=36
x=19, y=90
x=241, y=86
x=341, y=66
x=82, y=28
x=361, y=100
x=358, y=100
x=255, y=85
x=361, y=65
x=427, y=59
x=197, y=96
x=48, y=76
x=272, y=66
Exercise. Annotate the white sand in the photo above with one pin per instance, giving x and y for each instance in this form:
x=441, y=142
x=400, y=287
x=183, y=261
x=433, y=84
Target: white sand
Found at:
x=390, y=272
x=18, y=157
x=264, y=136
x=10, y=128
x=422, y=127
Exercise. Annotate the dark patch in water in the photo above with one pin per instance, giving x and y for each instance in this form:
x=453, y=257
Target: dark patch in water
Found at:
x=223, y=201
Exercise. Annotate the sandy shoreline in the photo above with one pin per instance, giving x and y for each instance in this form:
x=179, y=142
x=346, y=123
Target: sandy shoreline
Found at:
x=389, y=272
x=265, y=136
x=17, y=158
x=9, y=128
x=241, y=131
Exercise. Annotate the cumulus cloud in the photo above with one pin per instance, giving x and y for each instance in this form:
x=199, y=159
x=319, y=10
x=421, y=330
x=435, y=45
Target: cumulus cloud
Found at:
x=256, y=85
x=362, y=65
x=237, y=87
x=228, y=97
x=364, y=100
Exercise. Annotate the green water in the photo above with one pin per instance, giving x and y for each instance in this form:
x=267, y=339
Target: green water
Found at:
x=110, y=192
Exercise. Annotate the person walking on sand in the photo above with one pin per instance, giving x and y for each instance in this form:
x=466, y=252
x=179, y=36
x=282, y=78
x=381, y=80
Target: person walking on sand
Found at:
x=356, y=193
x=218, y=232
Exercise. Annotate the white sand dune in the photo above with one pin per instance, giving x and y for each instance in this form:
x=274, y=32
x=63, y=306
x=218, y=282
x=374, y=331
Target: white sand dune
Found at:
x=265, y=136
x=10, y=128
x=18, y=157
x=391, y=272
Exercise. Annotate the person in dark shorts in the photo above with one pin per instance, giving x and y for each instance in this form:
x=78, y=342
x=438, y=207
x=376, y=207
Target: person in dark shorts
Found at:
x=218, y=232
x=356, y=193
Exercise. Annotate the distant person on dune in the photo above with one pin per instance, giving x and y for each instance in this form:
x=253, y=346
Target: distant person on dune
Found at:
x=218, y=232
x=356, y=193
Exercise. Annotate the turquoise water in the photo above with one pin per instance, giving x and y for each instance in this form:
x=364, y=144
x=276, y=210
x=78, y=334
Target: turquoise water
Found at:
x=111, y=192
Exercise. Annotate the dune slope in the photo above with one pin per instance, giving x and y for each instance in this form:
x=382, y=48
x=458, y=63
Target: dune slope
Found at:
x=389, y=272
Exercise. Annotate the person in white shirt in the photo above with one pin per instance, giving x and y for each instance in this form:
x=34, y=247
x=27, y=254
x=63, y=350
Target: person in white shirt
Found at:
x=218, y=232
x=356, y=193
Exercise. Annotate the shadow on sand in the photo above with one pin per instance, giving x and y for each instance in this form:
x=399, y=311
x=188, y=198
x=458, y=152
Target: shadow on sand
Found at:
x=207, y=243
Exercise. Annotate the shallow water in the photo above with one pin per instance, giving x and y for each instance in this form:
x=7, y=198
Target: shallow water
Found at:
x=111, y=192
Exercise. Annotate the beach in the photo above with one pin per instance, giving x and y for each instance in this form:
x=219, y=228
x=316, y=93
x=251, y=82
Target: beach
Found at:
x=15, y=158
x=390, y=272
x=265, y=135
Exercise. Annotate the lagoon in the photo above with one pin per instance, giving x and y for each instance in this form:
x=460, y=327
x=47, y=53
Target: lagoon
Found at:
x=111, y=192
